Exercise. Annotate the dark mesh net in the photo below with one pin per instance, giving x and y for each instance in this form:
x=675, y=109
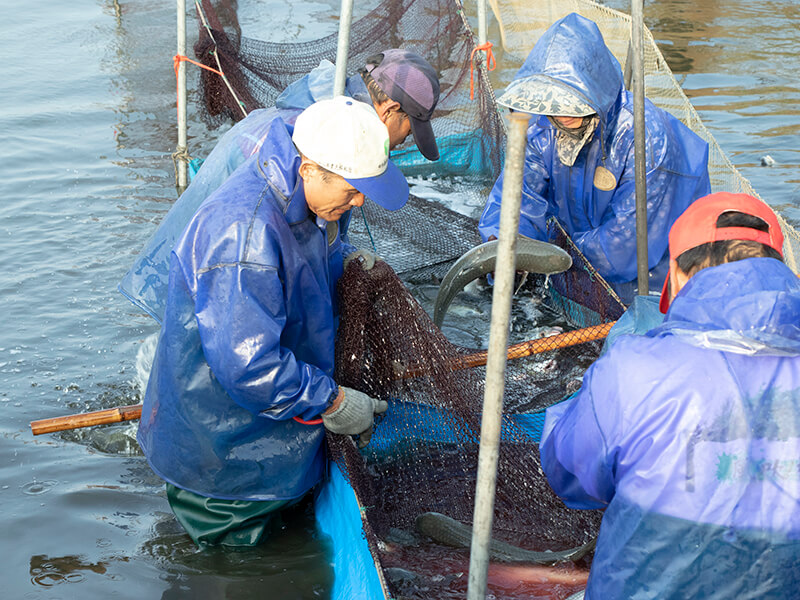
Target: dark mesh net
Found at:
x=423, y=455
x=581, y=293
x=421, y=238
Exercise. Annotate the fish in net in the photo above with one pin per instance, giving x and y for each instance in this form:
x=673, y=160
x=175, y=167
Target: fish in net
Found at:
x=424, y=452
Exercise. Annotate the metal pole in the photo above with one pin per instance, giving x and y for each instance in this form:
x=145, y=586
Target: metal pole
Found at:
x=345, y=17
x=496, y=363
x=637, y=33
x=181, y=149
x=482, y=23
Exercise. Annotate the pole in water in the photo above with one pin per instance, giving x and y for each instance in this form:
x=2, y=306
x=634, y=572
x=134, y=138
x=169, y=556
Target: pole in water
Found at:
x=343, y=49
x=496, y=361
x=180, y=150
x=637, y=34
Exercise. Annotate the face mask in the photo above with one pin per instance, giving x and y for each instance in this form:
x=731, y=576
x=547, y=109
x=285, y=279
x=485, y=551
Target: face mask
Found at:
x=569, y=142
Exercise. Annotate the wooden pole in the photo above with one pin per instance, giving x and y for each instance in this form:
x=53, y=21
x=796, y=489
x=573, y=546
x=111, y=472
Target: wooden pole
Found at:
x=521, y=350
x=98, y=417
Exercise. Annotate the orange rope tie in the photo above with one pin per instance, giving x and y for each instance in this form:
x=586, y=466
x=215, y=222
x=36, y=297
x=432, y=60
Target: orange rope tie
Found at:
x=491, y=65
x=176, y=61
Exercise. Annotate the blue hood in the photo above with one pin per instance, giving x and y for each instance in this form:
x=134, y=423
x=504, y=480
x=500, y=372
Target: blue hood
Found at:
x=748, y=306
x=573, y=55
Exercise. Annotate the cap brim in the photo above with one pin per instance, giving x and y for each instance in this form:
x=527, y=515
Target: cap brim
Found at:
x=663, y=304
x=424, y=138
x=543, y=97
x=389, y=189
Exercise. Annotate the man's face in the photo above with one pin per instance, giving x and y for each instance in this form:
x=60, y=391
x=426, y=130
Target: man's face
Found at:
x=399, y=126
x=328, y=196
x=570, y=122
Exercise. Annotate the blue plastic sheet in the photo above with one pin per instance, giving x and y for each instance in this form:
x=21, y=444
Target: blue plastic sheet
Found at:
x=339, y=517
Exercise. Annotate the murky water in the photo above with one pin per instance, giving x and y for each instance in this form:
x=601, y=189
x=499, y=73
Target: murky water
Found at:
x=88, y=126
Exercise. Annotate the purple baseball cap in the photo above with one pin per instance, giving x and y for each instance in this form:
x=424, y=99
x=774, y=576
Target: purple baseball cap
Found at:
x=410, y=80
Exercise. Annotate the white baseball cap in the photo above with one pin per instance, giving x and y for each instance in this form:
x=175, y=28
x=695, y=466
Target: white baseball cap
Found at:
x=346, y=137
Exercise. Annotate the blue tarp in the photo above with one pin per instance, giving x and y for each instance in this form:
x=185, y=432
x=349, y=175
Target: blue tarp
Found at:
x=339, y=517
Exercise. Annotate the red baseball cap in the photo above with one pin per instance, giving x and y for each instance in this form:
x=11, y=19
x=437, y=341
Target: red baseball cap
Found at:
x=697, y=225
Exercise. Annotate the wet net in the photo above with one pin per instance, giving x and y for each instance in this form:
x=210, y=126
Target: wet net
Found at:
x=423, y=455
x=521, y=22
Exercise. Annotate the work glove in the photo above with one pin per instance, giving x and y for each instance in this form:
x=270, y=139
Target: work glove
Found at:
x=354, y=415
x=365, y=257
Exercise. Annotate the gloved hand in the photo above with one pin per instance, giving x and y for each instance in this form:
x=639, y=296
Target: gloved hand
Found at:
x=366, y=257
x=352, y=413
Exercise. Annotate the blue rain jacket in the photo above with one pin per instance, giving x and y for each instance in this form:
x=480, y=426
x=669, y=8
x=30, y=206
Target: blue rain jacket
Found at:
x=689, y=438
x=145, y=284
x=247, y=340
x=602, y=223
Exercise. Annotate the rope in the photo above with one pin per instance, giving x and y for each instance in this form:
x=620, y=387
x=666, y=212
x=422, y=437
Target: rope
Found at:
x=371, y=241
x=202, y=16
x=491, y=65
x=180, y=154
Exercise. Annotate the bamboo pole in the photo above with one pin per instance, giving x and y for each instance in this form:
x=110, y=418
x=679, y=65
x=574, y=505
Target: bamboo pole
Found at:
x=98, y=417
x=478, y=359
x=520, y=350
x=491, y=418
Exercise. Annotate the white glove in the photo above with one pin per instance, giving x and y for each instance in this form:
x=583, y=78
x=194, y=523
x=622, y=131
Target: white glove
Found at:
x=354, y=415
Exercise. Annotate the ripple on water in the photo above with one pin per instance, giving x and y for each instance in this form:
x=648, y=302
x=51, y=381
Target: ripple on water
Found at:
x=36, y=488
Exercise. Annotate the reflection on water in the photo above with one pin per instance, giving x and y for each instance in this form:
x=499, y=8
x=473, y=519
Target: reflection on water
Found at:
x=737, y=63
x=299, y=570
x=49, y=571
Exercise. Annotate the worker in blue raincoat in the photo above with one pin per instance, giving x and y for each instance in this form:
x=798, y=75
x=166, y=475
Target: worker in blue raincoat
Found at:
x=399, y=84
x=579, y=159
x=244, y=362
x=689, y=436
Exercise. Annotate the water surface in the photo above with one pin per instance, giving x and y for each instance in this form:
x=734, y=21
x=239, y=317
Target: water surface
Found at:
x=88, y=125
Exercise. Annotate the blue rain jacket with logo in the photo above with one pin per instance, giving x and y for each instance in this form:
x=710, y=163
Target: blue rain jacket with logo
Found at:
x=689, y=438
x=247, y=340
x=602, y=223
x=145, y=284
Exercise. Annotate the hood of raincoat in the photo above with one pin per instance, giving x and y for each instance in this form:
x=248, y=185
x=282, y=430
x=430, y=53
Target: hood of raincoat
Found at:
x=318, y=85
x=748, y=307
x=571, y=57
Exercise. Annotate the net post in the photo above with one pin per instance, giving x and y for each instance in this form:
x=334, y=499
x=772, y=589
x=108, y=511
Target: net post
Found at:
x=482, y=24
x=637, y=35
x=345, y=19
x=491, y=419
x=181, y=149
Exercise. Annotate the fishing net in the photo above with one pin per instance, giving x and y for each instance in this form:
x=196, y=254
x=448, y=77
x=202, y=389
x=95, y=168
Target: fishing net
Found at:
x=423, y=455
x=521, y=22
